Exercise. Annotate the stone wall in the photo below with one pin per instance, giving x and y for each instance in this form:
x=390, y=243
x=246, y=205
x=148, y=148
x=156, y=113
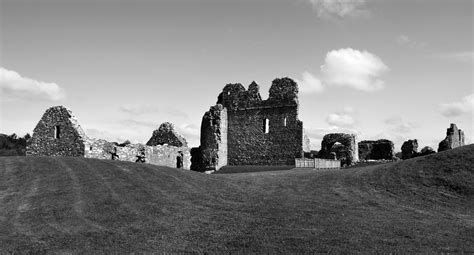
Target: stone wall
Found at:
x=250, y=142
x=68, y=142
x=350, y=152
x=454, y=138
x=376, y=150
x=258, y=132
x=410, y=149
x=58, y=133
x=212, y=153
x=166, y=134
x=162, y=155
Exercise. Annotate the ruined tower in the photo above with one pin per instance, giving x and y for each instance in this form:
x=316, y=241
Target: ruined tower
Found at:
x=243, y=129
x=454, y=138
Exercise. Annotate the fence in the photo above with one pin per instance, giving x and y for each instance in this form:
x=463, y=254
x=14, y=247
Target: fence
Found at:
x=317, y=163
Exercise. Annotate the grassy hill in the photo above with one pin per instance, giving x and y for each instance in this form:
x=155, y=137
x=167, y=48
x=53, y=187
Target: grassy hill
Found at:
x=74, y=204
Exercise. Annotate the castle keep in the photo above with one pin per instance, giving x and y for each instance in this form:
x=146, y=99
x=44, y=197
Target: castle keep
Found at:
x=243, y=129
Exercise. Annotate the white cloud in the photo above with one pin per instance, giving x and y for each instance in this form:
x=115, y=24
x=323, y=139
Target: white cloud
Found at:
x=342, y=119
x=14, y=85
x=340, y=8
x=466, y=105
x=143, y=109
x=398, y=125
x=309, y=84
x=360, y=70
x=316, y=134
x=462, y=56
x=405, y=40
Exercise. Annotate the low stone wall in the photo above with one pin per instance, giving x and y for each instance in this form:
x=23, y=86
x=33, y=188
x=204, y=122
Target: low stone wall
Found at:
x=163, y=155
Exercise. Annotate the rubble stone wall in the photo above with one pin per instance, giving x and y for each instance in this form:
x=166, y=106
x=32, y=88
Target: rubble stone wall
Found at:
x=454, y=138
x=376, y=150
x=162, y=155
x=409, y=149
x=347, y=140
x=248, y=141
x=69, y=142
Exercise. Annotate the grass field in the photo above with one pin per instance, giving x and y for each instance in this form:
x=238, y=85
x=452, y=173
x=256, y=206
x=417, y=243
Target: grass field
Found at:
x=425, y=204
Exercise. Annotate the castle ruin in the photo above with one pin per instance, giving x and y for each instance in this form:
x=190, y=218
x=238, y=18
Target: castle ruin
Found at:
x=454, y=138
x=58, y=133
x=243, y=129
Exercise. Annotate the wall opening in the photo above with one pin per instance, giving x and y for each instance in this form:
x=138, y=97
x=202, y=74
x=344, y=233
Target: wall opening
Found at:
x=284, y=122
x=57, y=132
x=179, y=160
x=266, y=126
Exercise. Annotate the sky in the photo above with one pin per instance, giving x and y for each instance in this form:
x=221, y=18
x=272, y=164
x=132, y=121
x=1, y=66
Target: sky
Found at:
x=380, y=69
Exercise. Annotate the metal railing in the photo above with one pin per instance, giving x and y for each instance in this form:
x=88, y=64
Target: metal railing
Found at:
x=317, y=163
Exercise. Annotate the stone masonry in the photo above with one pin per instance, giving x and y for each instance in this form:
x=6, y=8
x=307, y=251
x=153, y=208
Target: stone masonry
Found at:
x=350, y=155
x=382, y=149
x=410, y=149
x=454, y=138
x=258, y=132
x=58, y=133
x=166, y=134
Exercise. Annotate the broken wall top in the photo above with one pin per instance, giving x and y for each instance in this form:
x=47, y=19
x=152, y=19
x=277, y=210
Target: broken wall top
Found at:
x=283, y=92
x=166, y=134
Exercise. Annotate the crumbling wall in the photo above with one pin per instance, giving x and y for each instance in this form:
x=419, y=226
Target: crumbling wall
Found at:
x=166, y=134
x=376, y=150
x=212, y=153
x=454, y=138
x=250, y=140
x=410, y=149
x=57, y=134
x=162, y=155
x=351, y=155
x=259, y=132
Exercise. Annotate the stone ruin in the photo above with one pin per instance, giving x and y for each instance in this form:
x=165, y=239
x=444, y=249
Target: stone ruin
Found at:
x=454, y=138
x=166, y=134
x=58, y=133
x=243, y=129
x=347, y=151
x=382, y=149
x=410, y=149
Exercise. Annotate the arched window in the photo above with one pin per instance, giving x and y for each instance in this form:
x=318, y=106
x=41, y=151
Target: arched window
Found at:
x=57, y=132
x=284, y=122
x=266, y=126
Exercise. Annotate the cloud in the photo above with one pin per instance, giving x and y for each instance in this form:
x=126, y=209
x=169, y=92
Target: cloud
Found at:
x=342, y=119
x=310, y=84
x=143, y=109
x=340, y=8
x=16, y=86
x=360, y=70
x=405, y=40
x=398, y=125
x=466, y=105
x=316, y=134
x=462, y=56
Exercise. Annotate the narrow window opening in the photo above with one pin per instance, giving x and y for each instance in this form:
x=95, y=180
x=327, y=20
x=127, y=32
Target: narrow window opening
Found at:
x=266, y=126
x=90, y=148
x=228, y=93
x=284, y=122
x=57, y=132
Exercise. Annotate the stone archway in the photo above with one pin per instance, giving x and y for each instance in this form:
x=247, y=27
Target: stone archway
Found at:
x=348, y=155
